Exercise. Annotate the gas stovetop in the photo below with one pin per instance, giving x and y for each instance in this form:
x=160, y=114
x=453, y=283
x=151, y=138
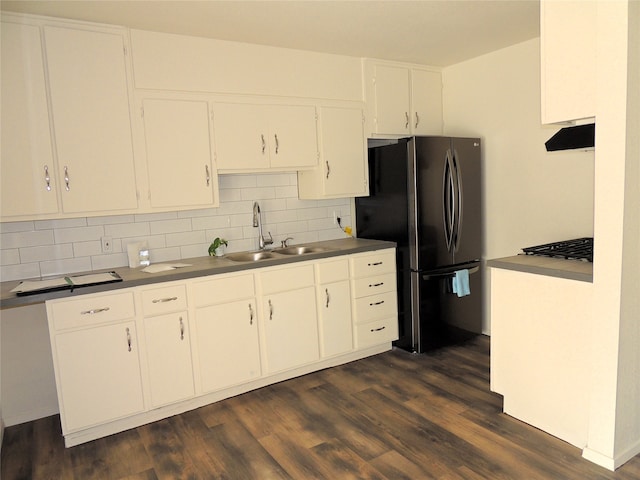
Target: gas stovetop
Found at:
x=577, y=249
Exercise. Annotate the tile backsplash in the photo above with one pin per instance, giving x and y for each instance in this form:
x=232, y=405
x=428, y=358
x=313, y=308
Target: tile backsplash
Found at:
x=53, y=247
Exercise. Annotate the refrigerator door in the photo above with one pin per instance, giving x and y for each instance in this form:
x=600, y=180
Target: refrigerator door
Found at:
x=429, y=163
x=467, y=237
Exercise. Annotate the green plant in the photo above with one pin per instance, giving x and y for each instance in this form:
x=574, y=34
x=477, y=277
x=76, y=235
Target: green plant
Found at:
x=217, y=242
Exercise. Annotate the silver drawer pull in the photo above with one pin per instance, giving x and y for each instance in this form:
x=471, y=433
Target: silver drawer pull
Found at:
x=376, y=303
x=181, y=329
x=378, y=329
x=376, y=284
x=95, y=310
x=163, y=300
x=250, y=314
x=128, y=339
x=47, y=178
x=374, y=264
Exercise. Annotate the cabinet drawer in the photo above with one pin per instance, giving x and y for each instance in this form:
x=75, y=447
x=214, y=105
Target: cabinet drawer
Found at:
x=376, y=306
x=383, y=261
x=363, y=287
x=284, y=279
x=92, y=310
x=222, y=290
x=375, y=333
x=333, y=271
x=164, y=300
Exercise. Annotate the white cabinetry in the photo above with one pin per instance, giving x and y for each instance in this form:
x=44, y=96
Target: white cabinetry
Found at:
x=289, y=318
x=227, y=350
x=178, y=147
x=402, y=99
x=375, y=303
x=91, y=119
x=568, y=60
x=96, y=359
x=27, y=184
x=167, y=344
x=256, y=138
x=334, y=307
x=343, y=157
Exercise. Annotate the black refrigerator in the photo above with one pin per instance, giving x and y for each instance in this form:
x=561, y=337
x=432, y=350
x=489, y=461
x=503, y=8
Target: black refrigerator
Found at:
x=425, y=195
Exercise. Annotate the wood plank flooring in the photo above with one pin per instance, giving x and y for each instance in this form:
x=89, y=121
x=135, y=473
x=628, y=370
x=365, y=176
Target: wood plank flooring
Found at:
x=392, y=416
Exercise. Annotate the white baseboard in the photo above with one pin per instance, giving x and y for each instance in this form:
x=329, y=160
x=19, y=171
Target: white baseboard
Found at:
x=612, y=463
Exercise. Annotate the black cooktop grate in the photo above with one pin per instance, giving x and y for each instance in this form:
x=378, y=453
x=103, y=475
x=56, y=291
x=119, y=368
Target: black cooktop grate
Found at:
x=577, y=249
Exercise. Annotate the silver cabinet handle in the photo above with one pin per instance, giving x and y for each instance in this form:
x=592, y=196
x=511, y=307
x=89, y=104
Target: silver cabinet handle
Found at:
x=277, y=143
x=181, y=329
x=374, y=264
x=264, y=144
x=250, y=314
x=163, y=300
x=95, y=310
x=207, y=174
x=270, y=310
x=326, y=291
x=406, y=116
x=417, y=120
x=378, y=329
x=376, y=284
x=328, y=169
x=128, y=339
x=66, y=178
x=47, y=178
x=376, y=303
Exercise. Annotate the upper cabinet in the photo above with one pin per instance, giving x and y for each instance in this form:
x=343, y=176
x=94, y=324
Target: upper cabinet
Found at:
x=178, y=147
x=253, y=137
x=402, y=99
x=567, y=53
x=91, y=119
x=28, y=181
x=342, y=171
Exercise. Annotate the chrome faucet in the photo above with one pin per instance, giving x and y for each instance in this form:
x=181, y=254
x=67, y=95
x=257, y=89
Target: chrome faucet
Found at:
x=257, y=222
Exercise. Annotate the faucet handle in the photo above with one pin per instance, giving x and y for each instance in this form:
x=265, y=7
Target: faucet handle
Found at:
x=268, y=241
x=284, y=242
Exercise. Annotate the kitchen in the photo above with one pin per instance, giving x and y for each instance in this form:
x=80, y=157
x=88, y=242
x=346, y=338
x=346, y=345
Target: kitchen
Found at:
x=502, y=106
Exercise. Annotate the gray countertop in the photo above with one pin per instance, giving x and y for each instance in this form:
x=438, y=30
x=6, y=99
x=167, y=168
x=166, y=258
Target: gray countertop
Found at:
x=552, y=267
x=200, y=266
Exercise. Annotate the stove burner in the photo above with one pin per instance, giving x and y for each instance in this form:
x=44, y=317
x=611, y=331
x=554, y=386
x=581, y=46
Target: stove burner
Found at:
x=577, y=249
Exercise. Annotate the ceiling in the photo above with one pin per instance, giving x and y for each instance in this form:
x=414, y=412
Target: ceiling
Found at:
x=430, y=32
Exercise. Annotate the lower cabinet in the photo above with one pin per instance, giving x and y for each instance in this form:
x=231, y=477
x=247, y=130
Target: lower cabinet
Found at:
x=135, y=355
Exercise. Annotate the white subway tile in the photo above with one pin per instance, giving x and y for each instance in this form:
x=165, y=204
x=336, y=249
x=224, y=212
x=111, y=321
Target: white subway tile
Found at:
x=263, y=193
x=12, y=227
x=242, y=220
x=48, y=252
x=153, y=241
x=191, y=251
x=87, y=249
x=244, y=206
x=205, y=223
x=313, y=213
x=10, y=257
x=280, y=216
x=333, y=234
x=65, y=266
x=26, y=239
x=164, y=254
x=302, y=237
x=230, y=234
x=60, y=223
x=124, y=230
x=112, y=260
x=243, y=245
x=272, y=205
x=155, y=217
x=205, y=212
x=111, y=220
x=170, y=226
x=78, y=234
x=322, y=224
x=230, y=195
x=273, y=180
x=236, y=181
x=185, y=238
x=286, y=192
x=292, y=227
x=22, y=271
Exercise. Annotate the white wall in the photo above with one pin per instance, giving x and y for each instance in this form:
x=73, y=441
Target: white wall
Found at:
x=530, y=196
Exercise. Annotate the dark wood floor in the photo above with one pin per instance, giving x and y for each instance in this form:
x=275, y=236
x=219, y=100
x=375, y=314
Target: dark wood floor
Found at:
x=392, y=416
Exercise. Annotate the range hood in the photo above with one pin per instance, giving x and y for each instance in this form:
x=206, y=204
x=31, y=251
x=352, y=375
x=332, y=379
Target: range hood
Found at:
x=571, y=138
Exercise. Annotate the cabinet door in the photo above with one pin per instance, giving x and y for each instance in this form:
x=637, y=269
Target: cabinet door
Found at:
x=179, y=153
x=169, y=358
x=293, y=139
x=98, y=373
x=343, y=168
x=27, y=183
x=228, y=348
x=290, y=329
x=90, y=106
x=336, y=331
x=392, y=100
x=426, y=102
x=241, y=133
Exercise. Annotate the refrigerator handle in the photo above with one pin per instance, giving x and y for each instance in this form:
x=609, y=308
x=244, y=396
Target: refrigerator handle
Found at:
x=433, y=276
x=448, y=200
x=457, y=229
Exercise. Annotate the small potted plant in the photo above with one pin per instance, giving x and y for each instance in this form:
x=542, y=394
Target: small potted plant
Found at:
x=217, y=247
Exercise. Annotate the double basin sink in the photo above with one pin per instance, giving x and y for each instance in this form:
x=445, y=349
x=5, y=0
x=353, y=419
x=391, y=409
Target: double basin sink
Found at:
x=267, y=254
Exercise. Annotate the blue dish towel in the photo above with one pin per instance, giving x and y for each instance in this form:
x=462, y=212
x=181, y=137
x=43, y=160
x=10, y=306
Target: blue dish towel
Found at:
x=461, y=283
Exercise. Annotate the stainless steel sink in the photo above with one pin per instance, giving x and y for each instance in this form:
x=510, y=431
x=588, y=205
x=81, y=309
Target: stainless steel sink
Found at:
x=249, y=256
x=300, y=250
